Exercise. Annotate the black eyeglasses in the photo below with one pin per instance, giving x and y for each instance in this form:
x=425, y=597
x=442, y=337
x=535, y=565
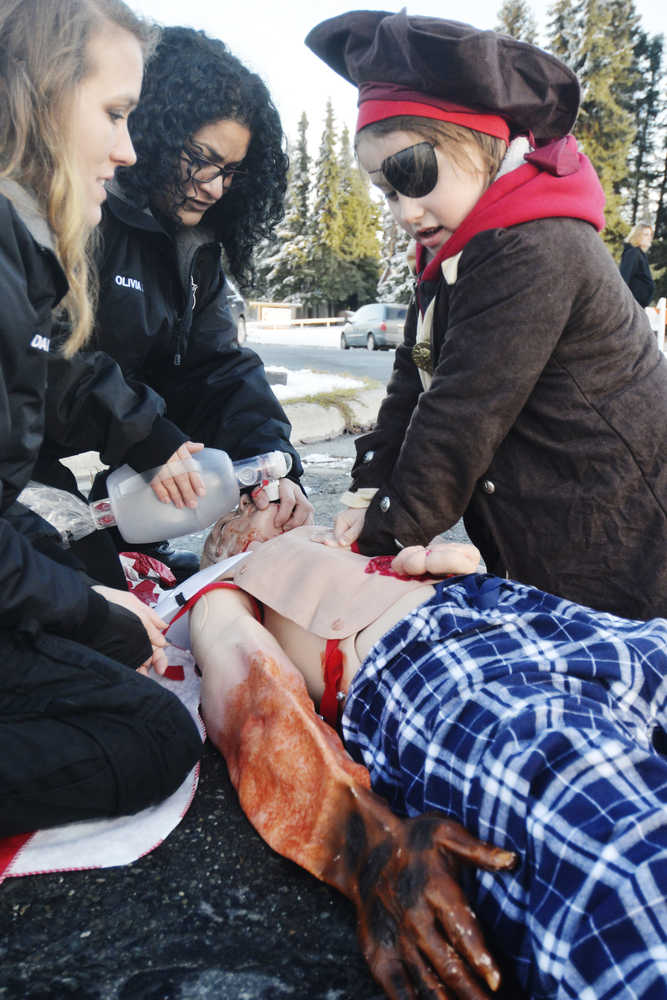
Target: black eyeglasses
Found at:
x=202, y=171
x=412, y=171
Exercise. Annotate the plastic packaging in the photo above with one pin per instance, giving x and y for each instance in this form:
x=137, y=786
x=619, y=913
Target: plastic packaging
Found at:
x=68, y=514
x=141, y=517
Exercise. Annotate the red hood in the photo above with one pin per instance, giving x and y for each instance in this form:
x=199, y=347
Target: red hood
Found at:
x=557, y=182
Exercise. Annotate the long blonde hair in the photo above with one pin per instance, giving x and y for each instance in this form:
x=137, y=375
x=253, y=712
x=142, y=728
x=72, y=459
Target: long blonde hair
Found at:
x=634, y=237
x=43, y=47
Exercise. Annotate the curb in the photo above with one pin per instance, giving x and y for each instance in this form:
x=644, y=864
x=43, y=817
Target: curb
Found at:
x=313, y=421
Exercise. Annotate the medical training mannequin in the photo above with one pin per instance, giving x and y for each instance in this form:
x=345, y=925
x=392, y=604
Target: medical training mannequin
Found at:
x=535, y=723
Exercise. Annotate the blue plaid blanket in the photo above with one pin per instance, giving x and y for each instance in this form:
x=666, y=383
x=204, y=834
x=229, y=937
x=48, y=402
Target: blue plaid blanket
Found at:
x=539, y=725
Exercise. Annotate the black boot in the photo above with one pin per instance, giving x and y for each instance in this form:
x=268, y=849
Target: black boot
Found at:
x=181, y=562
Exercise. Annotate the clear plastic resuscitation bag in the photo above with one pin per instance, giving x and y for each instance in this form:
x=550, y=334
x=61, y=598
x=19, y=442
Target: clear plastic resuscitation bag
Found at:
x=133, y=507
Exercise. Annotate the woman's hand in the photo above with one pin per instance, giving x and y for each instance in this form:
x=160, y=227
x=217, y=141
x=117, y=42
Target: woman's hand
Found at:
x=437, y=558
x=348, y=526
x=178, y=480
x=149, y=619
x=294, y=507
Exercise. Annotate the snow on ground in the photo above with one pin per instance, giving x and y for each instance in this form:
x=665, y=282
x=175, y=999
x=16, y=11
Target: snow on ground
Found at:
x=304, y=382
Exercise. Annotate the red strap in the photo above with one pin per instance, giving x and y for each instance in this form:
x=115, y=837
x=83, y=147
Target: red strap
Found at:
x=218, y=585
x=333, y=675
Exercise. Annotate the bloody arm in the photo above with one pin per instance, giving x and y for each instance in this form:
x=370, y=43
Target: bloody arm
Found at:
x=313, y=804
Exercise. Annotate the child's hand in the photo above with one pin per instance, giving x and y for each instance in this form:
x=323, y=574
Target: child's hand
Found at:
x=437, y=558
x=348, y=526
x=178, y=481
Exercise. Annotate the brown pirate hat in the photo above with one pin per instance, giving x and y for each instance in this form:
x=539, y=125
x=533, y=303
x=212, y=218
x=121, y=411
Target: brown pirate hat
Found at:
x=481, y=70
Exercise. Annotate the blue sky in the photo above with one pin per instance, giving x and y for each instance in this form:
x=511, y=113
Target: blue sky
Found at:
x=268, y=37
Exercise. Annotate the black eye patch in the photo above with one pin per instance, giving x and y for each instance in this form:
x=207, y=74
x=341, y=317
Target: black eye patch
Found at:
x=412, y=171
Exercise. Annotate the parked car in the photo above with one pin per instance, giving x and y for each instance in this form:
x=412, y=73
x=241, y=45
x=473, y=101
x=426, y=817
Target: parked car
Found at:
x=237, y=308
x=377, y=326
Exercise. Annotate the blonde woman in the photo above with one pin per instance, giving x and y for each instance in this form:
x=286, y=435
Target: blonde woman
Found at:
x=81, y=735
x=635, y=269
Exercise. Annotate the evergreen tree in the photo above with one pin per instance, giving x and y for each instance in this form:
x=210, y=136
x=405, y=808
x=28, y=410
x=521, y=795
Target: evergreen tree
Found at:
x=647, y=106
x=301, y=176
x=359, y=250
x=564, y=28
x=595, y=39
x=327, y=228
x=396, y=281
x=516, y=18
x=658, y=252
x=286, y=265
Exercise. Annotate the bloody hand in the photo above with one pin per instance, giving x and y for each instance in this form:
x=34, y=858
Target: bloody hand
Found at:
x=416, y=929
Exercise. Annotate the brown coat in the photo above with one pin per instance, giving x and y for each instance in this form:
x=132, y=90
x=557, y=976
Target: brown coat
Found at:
x=545, y=424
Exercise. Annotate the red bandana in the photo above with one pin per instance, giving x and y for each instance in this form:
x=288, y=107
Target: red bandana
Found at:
x=378, y=101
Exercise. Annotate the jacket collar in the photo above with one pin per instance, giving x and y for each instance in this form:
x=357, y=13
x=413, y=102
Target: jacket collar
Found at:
x=128, y=211
x=29, y=211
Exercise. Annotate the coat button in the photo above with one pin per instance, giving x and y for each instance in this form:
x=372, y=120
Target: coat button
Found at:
x=488, y=486
x=385, y=504
x=368, y=457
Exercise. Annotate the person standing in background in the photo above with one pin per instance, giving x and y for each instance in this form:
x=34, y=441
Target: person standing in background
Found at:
x=634, y=265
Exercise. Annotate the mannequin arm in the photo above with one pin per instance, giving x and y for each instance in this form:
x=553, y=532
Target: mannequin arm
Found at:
x=312, y=803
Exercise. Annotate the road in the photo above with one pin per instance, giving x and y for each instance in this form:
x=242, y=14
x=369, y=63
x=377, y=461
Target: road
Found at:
x=373, y=364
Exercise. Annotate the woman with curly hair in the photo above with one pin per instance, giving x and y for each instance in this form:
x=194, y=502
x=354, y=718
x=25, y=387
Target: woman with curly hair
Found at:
x=81, y=735
x=210, y=176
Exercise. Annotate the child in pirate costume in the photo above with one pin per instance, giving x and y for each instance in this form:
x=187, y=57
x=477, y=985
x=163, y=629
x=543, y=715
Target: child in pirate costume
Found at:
x=529, y=395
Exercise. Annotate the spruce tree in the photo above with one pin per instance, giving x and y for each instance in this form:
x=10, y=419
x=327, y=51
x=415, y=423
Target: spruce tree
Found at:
x=359, y=248
x=647, y=106
x=301, y=176
x=658, y=252
x=516, y=18
x=286, y=264
x=564, y=28
x=595, y=39
x=327, y=228
x=396, y=281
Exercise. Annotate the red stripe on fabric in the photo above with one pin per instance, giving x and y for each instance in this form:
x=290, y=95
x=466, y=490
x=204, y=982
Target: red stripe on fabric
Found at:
x=9, y=848
x=333, y=675
x=377, y=111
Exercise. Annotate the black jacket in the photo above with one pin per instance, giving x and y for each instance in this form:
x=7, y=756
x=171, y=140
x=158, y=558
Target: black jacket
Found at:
x=637, y=273
x=35, y=590
x=163, y=316
x=545, y=423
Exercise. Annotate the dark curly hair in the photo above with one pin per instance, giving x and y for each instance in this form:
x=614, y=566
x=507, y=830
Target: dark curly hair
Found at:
x=191, y=81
